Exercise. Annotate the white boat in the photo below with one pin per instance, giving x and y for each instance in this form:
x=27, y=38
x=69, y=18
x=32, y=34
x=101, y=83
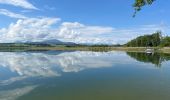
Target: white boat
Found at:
x=149, y=50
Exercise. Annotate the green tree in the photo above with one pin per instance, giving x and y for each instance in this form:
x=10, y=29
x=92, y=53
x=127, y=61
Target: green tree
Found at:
x=140, y=3
x=165, y=42
x=146, y=40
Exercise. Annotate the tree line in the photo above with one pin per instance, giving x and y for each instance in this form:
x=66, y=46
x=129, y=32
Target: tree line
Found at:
x=154, y=40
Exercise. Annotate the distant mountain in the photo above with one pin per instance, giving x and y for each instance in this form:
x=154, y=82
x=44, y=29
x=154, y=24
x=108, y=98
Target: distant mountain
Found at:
x=58, y=42
x=52, y=42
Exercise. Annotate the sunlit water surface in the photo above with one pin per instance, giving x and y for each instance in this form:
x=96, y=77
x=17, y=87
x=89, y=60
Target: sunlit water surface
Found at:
x=84, y=75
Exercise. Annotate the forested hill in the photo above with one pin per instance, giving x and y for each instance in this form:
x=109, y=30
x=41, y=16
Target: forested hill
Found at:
x=153, y=40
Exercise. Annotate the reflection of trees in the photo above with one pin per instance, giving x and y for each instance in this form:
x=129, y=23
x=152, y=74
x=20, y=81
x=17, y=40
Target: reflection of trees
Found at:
x=154, y=58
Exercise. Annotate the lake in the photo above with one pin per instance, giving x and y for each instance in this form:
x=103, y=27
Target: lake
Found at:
x=84, y=75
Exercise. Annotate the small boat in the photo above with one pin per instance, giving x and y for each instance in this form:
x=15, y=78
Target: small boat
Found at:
x=149, y=50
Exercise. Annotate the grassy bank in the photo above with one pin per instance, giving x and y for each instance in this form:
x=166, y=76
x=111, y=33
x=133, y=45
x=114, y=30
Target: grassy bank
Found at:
x=84, y=48
x=127, y=49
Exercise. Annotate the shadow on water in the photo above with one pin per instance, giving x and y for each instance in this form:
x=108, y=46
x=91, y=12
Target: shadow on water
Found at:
x=154, y=58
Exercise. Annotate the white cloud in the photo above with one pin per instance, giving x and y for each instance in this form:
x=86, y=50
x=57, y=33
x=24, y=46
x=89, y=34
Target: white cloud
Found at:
x=125, y=34
x=84, y=29
x=30, y=29
x=80, y=33
x=19, y=3
x=11, y=14
x=39, y=29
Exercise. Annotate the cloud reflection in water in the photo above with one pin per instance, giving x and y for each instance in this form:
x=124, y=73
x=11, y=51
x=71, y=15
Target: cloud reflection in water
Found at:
x=48, y=64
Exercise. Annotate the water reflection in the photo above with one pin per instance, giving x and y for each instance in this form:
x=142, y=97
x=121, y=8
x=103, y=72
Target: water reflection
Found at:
x=15, y=93
x=154, y=58
x=19, y=67
x=20, y=71
x=50, y=64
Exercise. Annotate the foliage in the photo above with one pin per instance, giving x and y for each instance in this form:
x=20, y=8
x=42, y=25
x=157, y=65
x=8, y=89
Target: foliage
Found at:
x=165, y=42
x=140, y=3
x=146, y=40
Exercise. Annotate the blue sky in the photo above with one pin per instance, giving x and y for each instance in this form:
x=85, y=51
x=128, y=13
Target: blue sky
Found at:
x=80, y=21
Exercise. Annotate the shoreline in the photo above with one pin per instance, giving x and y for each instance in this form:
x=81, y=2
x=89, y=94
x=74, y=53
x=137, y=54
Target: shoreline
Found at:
x=104, y=49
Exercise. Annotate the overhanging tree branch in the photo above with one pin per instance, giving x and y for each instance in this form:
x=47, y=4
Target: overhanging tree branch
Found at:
x=140, y=3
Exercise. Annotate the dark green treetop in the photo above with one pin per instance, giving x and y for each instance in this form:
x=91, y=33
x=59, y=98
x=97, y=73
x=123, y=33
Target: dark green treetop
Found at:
x=140, y=3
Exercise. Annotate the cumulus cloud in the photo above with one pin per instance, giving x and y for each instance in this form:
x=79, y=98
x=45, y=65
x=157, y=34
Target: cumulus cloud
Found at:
x=11, y=14
x=40, y=29
x=84, y=29
x=80, y=33
x=19, y=3
x=30, y=29
x=44, y=28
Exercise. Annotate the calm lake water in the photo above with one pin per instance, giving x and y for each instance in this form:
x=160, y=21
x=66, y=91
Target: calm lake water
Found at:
x=84, y=75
